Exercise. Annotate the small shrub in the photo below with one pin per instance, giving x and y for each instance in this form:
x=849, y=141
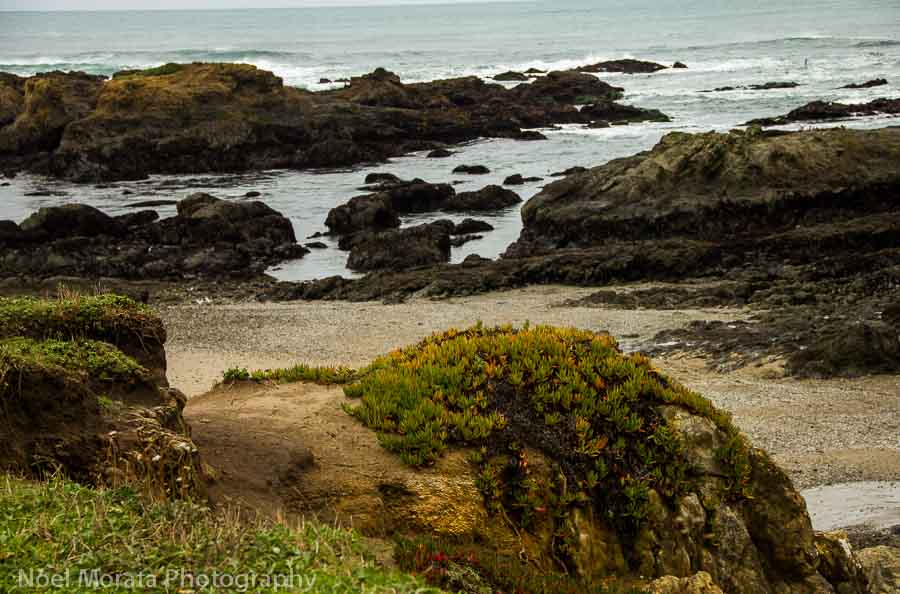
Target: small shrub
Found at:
x=299, y=373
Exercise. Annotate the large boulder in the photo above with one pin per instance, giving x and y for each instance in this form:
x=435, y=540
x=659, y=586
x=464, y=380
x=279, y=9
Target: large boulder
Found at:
x=399, y=249
x=70, y=220
x=732, y=188
x=610, y=111
x=379, y=211
x=488, y=198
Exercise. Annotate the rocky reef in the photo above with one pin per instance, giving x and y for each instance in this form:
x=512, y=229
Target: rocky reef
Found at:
x=831, y=111
x=545, y=460
x=190, y=118
x=209, y=238
x=802, y=225
x=85, y=394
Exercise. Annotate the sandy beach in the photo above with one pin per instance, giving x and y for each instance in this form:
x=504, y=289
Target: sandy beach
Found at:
x=821, y=431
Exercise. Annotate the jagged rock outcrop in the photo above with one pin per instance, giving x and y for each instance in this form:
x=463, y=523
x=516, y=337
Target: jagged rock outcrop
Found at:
x=829, y=111
x=209, y=238
x=187, y=118
x=401, y=248
x=739, y=191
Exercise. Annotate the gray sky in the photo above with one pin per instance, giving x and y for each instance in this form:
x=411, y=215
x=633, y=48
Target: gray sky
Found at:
x=191, y=4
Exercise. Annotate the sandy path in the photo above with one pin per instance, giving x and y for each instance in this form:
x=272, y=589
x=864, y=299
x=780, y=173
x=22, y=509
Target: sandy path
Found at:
x=821, y=431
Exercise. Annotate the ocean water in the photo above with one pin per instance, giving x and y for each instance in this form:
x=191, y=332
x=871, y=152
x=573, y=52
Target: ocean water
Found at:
x=821, y=44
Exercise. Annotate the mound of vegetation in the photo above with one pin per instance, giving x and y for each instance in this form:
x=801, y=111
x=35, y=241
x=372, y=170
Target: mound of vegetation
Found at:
x=544, y=459
x=125, y=543
x=569, y=394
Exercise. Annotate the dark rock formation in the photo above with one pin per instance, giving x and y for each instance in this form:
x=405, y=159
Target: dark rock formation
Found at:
x=679, y=65
x=569, y=171
x=627, y=66
x=827, y=111
x=466, y=227
x=439, y=154
x=461, y=240
x=209, y=238
x=234, y=117
x=510, y=77
x=875, y=82
x=369, y=212
x=763, y=87
x=514, y=180
x=472, y=169
x=804, y=226
x=610, y=111
x=489, y=198
x=382, y=178
x=400, y=249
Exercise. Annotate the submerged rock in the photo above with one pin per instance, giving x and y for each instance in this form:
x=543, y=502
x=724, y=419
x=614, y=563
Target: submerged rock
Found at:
x=876, y=82
x=469, y=226
x=472, y=169
x=627, y=66
x=510, y=77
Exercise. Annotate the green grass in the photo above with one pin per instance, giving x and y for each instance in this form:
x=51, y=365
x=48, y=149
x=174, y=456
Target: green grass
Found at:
x=299, y=373
x=164, y=70
x=59, y=526
x=98, y=360
x=110, y=318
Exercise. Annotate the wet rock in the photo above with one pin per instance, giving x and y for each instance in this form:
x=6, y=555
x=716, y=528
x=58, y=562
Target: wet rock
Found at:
x=611, y=111
x=472, y=169
x=470, y=226
x=400, y=249
x=208, y=238
x=439, y=154
x=825, y=111
x=530, y=135
x=679, y=65
x=10, y=231
x=324, y=81
x=70, y=220
x=139, y=218
x=570, y=171
x=151, y=203
x=514, y=180
x=627, y=66
x=373, y=211
x=535, y=71
x=510, y=77
x=252, y=194
x=489, y=198
x=762, y=87
x=382, y=178
x=599, y=124
x=316, y=245
x=876, y=82
x=235, y=117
